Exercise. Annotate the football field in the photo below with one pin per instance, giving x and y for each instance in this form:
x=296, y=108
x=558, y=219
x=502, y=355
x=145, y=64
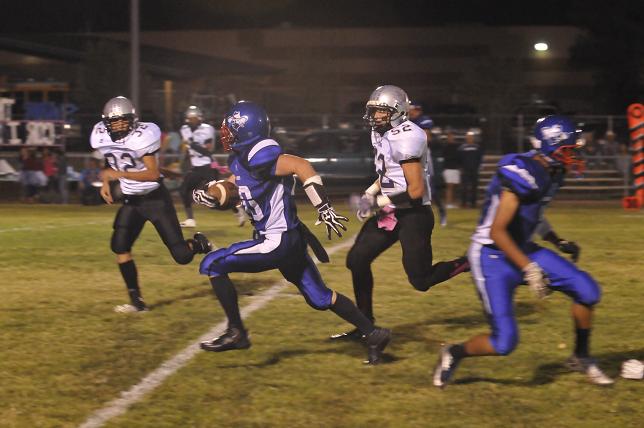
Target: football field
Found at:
x=66, y=356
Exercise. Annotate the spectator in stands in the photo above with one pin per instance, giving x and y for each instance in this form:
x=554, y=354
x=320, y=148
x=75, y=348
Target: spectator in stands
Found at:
x=32, y=177
x=471, y=156
x=590, y=151
x=90, y=183
x=452, y=172
x=50, y=168
x=435, y=163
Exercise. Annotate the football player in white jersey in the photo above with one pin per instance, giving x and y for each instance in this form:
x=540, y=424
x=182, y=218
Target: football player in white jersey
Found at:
x=130, y=148
x=199, y=137
x=397, y=206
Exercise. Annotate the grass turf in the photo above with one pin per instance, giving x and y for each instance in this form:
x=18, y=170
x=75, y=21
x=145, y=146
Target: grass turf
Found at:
x=66, y=353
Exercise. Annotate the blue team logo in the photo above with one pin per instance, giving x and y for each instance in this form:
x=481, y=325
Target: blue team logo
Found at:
x=554, y=134
x=237, y=121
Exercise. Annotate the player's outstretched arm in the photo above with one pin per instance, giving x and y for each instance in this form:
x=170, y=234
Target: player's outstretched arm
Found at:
x=151, y=172
x=288, y=165
x=532, y=273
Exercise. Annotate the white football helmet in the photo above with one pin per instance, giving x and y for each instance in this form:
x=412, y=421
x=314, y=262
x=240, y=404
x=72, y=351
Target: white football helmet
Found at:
x=391, y=99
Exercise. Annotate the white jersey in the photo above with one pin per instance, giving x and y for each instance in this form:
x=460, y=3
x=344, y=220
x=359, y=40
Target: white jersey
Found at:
x=127, y=154
x=201, y=135
x=403, y=142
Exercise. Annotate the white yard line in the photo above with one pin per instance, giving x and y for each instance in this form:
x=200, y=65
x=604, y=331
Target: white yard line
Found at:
x=155, y=378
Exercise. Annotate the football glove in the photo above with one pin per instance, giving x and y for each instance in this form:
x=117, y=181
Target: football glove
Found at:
x=569, y=247
x=537, y=280
x=331, y=219
x=366, y=207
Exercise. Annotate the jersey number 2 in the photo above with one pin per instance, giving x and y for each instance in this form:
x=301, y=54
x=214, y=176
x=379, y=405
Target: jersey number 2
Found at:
x=384, y=181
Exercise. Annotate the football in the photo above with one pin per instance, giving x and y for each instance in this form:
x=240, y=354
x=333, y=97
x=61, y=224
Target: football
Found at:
x=229, y=194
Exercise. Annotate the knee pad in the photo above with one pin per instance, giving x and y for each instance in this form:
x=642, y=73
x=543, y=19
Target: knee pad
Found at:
x=419, y=283
x=120, y=242
x=505, y=340
x=181, y=253
x=355, y=261
x=320, y=302
x=588, y=293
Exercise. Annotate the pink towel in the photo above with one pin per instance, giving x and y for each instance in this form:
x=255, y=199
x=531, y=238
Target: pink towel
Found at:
x=387, y=219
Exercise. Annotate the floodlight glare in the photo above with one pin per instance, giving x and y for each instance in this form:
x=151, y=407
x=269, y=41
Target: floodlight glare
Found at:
x=541, y=46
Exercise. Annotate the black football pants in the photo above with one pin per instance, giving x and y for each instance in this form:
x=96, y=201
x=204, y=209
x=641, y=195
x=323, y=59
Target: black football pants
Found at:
x=414, y=231
x=157, y=208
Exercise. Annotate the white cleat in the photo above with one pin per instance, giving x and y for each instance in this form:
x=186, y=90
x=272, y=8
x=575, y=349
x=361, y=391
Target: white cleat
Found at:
x=190, y=222
x=445, y=367
x=589, y=366
x=633, y=369
x=128, y=309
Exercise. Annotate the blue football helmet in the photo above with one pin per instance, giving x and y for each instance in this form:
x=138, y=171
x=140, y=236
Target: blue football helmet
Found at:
x=558, y=139
x=245, y=123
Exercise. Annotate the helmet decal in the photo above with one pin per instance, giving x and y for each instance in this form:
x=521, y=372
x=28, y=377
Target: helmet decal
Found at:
x=237, y=121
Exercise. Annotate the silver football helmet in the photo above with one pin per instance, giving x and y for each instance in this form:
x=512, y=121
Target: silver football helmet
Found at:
x=391, y=99
x=116, y=110
x=193, y=117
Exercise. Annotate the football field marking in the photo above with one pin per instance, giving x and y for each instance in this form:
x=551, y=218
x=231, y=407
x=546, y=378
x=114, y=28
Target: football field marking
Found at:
x=154, y=379
x=50, y=226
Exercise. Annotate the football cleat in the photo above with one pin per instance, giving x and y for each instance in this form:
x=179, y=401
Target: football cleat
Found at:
x=200, y=244
x=354, y=335
x=632, y=369
x=189, y=222
x=461, y=265
x=443, y=221
x=445, y=367
x=233, y=338
x=377, y=341
x=128, y=309
x=589, y=366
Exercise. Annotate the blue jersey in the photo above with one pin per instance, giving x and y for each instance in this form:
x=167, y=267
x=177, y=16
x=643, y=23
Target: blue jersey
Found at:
x=424, y=122
x=532, y=183
x=267, y=198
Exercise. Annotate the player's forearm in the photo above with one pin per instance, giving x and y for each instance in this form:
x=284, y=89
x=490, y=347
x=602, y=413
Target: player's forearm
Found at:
x=505, y=243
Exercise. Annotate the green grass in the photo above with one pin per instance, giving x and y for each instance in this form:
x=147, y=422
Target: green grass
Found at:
x=65, y=353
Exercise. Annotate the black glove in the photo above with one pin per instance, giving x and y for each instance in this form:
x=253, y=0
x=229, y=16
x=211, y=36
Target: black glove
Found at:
x=331, y=220
x=569, y=247
x=200, y=149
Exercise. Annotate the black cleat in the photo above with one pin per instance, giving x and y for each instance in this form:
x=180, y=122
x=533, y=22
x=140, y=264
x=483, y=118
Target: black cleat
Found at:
x=377, y=341
x=200, y=244
x=232, y=339
x=461, y=265
x=353, y=335
x=445, y=367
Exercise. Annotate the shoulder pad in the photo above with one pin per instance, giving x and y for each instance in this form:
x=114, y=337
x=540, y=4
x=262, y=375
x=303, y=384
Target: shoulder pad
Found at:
x=145, y=139
x=407, y=141
x=516, y=175
x=98, y=133
x=263, y=153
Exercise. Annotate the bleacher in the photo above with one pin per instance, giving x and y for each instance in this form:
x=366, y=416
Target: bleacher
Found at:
x=599, y=181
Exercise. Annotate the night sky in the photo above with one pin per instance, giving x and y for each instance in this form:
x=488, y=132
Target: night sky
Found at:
x=113, y=15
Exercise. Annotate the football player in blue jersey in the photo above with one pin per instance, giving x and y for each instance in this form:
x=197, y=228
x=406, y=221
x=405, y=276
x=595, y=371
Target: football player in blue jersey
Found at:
x=264, y=179
x=503, y=256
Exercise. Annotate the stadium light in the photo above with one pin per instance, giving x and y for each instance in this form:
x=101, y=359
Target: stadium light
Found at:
x=541, y=46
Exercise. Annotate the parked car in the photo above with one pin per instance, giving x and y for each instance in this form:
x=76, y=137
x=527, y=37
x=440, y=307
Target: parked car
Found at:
x=340, y=156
